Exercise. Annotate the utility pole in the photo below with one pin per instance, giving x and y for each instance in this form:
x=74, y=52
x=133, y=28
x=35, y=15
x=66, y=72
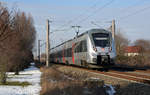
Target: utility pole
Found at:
x=47, y=44
x=113, y=29
x=77, y=32
x=39, y=50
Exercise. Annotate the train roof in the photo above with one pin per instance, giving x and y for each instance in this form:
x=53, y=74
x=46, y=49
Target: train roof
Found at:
x=98, y=30
x=89, y=31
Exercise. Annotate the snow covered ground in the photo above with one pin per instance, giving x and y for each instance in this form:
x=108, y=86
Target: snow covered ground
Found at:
x=31, y=75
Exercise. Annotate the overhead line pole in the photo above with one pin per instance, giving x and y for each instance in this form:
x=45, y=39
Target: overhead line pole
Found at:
x=113, y=29
x=39, y=50
x=47, y=44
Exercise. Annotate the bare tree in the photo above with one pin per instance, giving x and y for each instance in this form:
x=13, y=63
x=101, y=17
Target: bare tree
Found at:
x=17, y=36
x=144, y=44
x=5, y=31
x=26, y=34
x=121, y=42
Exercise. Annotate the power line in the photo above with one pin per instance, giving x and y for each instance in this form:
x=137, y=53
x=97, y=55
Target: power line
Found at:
x=87, y=10
x=94, y=23
x=56, y=30
x=134, y=13
x=76, y=18
x=93, y=13
x=105, y=5
x=131, y=6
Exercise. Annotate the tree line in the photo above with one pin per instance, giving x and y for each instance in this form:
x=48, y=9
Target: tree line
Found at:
x=17, y=36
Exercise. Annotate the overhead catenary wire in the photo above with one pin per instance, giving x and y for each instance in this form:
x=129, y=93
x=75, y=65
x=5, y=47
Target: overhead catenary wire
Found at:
x=108, y=3
x=74, y=19
x=94, y=12
x=133, y=5
x=93, y=23
x=139, y=1
x=134, y=13
x=79, y=16
x=131, y=14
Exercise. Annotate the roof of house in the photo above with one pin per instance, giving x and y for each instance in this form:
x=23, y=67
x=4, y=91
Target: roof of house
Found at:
x=133, y=49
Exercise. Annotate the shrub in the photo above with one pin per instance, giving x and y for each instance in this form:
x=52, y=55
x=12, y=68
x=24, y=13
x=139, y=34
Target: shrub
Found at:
x=132, y=61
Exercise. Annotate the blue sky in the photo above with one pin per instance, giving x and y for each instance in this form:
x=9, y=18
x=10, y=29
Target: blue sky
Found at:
x=61, y=11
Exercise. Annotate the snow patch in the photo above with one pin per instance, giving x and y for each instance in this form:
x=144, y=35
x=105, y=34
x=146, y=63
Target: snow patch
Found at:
x=31, y=75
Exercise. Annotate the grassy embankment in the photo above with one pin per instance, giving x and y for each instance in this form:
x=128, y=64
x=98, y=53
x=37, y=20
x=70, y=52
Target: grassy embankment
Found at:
x=54, y=82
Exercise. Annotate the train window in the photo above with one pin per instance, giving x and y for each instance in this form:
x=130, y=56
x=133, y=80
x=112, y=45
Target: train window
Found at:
x=84, y=46
x=81, y=46
x=59, y=54
x=77, y=47
x=101, y=39
x=65, y=52
x=68, y=52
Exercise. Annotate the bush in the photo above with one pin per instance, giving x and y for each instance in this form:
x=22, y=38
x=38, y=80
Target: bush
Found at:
x=132, y=61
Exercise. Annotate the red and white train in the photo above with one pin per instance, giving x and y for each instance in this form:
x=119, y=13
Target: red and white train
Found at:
x=95, y=47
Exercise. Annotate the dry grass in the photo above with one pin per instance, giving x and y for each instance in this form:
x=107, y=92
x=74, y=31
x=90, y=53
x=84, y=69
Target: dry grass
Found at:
x=54, y=82
x=16, y=83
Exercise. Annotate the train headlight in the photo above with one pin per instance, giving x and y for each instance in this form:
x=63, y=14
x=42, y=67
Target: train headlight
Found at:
x=110, y=49
x=95, y=49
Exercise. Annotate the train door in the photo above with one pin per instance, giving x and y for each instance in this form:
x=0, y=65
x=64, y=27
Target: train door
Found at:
x=83, y=53
x=76, y=53
x=80, y=52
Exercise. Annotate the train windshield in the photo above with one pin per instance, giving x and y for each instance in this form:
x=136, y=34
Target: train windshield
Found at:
x=101, y=39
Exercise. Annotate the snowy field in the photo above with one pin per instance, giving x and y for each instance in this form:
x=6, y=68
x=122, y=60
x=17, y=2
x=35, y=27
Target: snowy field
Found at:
x=31, y=75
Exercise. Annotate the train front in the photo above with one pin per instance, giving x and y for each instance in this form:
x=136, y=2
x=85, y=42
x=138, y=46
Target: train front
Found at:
x=102, y=47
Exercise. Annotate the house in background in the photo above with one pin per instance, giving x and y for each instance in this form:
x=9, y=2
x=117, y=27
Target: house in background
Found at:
x=132, y=50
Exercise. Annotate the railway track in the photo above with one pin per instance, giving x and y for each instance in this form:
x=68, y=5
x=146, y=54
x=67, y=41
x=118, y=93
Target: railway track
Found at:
x=137, y=76
x=143, y=71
